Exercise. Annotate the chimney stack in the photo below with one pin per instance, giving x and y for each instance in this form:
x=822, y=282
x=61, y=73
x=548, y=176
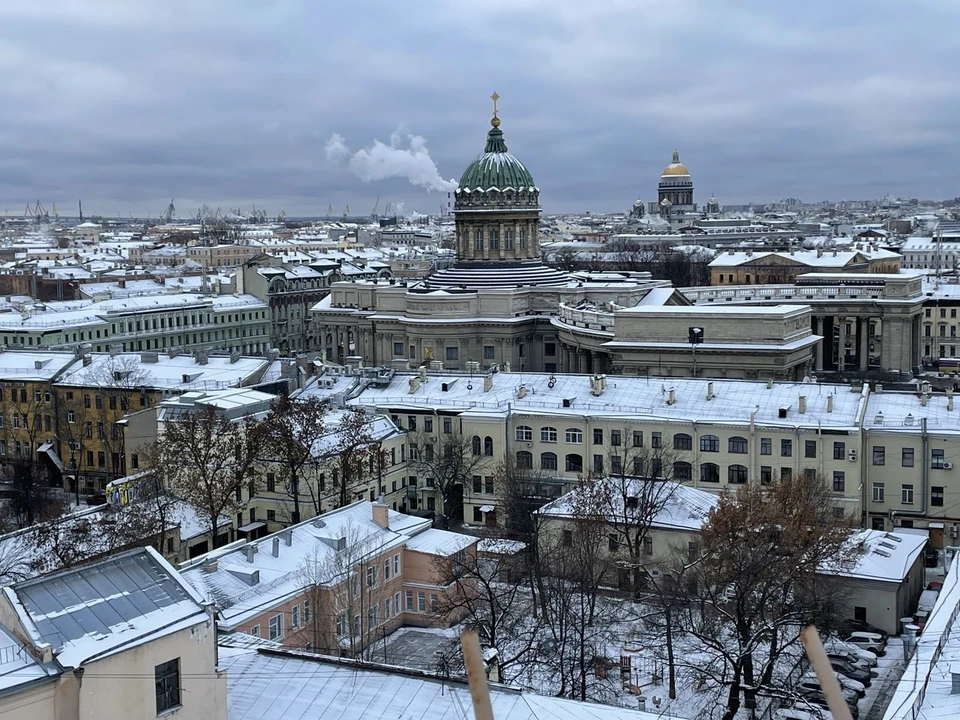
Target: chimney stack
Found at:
x=250, y=550
x=487, y=383
x=414, y=384
x=802, y=404
x=829, y=403
x=380, y=515
x=710, y=390
x=275, y=550
x=671, y=396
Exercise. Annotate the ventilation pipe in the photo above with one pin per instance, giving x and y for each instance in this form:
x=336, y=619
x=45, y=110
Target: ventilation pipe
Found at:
x=671, y=396
x=829, y=403
x=487, y=383
x=802, y=404
x=710, y=390
x=414, y=384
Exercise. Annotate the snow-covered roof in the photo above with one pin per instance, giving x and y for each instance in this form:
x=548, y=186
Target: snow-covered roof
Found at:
x=245, y=583
x=282, y=686
x=812, y=258
x=108, y=606
x=683, y=507
x=181, y=372
x=904, y=411
x=885, y=556
x=632, y=398
x=30, y=365
x=17, y=664
x=439, y=542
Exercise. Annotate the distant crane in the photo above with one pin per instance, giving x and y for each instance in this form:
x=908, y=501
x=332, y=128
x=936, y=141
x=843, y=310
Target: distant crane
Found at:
x=387, y=209
x=169, y=214
x=56, y=215
x=330, y=210
x=373, y=213
x=346, y=213
x=281, y=216
x=37, y=212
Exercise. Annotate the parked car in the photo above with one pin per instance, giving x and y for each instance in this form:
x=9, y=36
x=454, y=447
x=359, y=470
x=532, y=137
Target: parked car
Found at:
x=810, y=682
x=845, y=683
x=935, y=585
x=867, y=642
x=852, y=660
x=852, y=626
x=834, y=645
x=928, y=598
x=817, y=698
x=851, y=672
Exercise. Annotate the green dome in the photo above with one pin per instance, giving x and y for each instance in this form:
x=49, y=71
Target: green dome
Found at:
x=496, y=168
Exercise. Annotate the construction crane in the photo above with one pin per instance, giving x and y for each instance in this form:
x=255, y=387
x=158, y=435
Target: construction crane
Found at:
x=330, y=210
x=346, y=213
x=281, y=216
x=169, y=214
x=37, y=212
x=373, y=213
x=387, y=209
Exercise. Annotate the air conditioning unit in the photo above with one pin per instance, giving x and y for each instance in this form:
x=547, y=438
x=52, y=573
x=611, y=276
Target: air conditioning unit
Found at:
x=852, y=455
x=948, y=466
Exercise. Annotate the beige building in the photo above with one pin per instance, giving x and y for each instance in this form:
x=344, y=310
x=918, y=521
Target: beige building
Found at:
x=774, y=268
x=124, y=638
x=218, y=256
x=333, y=584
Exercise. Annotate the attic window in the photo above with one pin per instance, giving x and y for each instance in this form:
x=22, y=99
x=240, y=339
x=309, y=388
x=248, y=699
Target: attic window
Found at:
x=446, y=386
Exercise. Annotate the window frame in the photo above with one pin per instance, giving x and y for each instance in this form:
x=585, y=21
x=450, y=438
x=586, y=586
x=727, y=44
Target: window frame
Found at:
x=167, y=687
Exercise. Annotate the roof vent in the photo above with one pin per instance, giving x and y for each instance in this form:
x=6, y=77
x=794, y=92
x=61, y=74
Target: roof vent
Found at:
x=250, y=550
x=878, y=420
x=802, y=404
x=908, y=420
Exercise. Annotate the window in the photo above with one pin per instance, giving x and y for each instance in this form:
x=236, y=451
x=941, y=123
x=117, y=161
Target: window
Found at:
x=568, y=538
x=682, y=441
x=647, y=545
x=766, y=446
x=548, y=434
x=786, y=473
x=936, y=495
x=271, y=482
x=396, y=569
x=598, y=464
x=524, y=460
x=839, y=450
x=766, y=474
x=373, y=616
x=838, y=512
x=386, y=569
x=693, y=551
x=488, y=352
x=616, y=465
x=786, y=448
x=737, y=445
x=398, y=349
x=710, y=472
x=447, y=426
x=879, y=455
x=294, y=617
x=906, y=457
x=573, y=463
x=548, y=461
x=682, y=471
x=421, y=602
x=809, y=448
x=572, y=435
x=523, y=433
x=612, y=542
x=597, y=436
x=638, y=438
x=488, y=484
x=409, y=600
x=453, y=353
x=475, y=444
x=488, y=446
x=255, y=630
x=411, y=422
x=878, y=492
x=906, y=494
x=477, y=484
x=709, y=443
x=616, y=438
x=839, y=480
x=656, y=440
x=936, y=459
x=371, y=576
x=167, y=683
x=387, y=609
x=737, y=474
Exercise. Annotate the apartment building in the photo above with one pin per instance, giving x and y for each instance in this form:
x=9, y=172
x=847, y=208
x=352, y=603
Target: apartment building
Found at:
x=156, y=322
x=333, y=584
x=122, y=638
x=556, y=430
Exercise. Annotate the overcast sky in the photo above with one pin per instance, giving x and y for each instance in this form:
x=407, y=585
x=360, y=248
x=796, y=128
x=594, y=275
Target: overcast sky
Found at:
x=229, y=102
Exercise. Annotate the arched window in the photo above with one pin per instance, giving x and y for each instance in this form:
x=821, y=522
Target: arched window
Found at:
x=524, y=460
x=548, y=434
x=524, y=433
x=737, y=445
x=709, y=443
x=737, y=474
x=475, y=444
x=682, y=471
x=548, y=461
x=488, y=446
x=572, y=435
x=682, y=441
x=710, y=472
x=573, y=463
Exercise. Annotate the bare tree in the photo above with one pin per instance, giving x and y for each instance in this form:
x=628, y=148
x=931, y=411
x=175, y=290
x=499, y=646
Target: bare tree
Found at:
x=758, y=582
x=450, y=459
x=208, y=460
x=291, y=433
x=355, y=453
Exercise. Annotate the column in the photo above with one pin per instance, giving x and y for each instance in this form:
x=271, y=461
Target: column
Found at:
x=580, y=361
x=818, y=351
x=863, y=338
x=842, y=345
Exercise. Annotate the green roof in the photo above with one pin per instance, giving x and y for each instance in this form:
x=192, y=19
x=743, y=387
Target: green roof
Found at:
x=495, y=167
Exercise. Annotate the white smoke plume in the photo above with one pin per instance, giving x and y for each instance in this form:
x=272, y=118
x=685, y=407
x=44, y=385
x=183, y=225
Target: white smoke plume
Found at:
x=405, y=157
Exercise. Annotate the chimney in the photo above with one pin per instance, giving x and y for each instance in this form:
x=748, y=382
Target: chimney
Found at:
x=287, y=535
x=710, y=390
x=596, y=385
x=521, y=392
x=802, y=404
x=770, y=384
x=250, y=550
x=414, y=384
x=829, y=403
x=115, y=350
x=422, y=373
x=380, y=514
x=642, y=703
x=671, y=396
x=878, y=388
x=950, y=403
x=923, y=400
x=487, y=383
x=275, y=547
x=506, y=366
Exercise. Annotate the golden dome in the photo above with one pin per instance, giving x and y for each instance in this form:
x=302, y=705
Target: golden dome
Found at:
x=676, y=167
